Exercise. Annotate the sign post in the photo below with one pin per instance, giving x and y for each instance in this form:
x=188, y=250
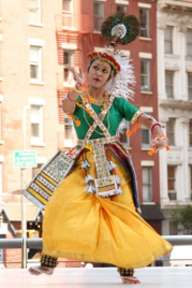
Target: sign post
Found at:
x=24, y=159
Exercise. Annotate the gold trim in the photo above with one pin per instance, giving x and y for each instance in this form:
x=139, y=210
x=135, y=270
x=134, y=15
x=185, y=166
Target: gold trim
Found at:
x=89, y=258
x=135, y=116
x=43, y=187
x=97, y=141
x=49, y=179
x=37, y=196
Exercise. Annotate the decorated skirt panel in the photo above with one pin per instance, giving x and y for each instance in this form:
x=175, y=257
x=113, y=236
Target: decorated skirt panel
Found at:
x=123, y=158
x=42, y=187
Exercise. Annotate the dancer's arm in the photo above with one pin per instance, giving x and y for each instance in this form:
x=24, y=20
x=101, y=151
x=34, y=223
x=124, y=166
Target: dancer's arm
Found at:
x=68, y=103
x=156, y=131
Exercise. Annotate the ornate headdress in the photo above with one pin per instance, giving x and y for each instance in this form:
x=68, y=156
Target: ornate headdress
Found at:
x=122, y=29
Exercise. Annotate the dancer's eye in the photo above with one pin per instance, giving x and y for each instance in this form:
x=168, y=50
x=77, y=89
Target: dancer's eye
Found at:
x=105, y=71
x=96, y=67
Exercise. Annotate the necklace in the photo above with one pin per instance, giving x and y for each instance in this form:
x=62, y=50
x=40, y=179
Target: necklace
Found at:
x=102, y=101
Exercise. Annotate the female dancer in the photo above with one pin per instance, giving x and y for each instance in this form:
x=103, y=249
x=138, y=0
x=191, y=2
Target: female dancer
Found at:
x=93, y=215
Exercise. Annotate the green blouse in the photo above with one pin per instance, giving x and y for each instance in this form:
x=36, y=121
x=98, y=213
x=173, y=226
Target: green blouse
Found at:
x=120, y=109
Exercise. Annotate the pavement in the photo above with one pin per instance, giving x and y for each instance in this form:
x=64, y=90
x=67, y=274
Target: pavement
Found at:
x=153, y=277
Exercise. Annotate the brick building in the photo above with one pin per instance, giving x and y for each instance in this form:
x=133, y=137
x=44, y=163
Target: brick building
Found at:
x=36, y=39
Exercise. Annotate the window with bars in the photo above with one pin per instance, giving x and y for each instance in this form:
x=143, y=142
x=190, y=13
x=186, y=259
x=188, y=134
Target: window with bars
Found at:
x=190, y=132
x=36, y=124
x=35, y=11
x=147, y=184
x=35, y=62
x=168, y=40
x=189, y=42
x=146, y=136
x=169, y=84
x=145, y=74
x=68, y=57
x=121, y=8
x=123, y=137
x=190, y=86
x=171, y=170
x=144, y=22
x=98, y=15
x=67, y=6
x=171, y=131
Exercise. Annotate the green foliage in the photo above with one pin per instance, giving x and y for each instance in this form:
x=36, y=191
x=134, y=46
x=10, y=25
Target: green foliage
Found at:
x=131, y=23
x=182, y=217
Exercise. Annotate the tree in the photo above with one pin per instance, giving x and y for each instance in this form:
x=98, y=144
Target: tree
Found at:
x=182, y=217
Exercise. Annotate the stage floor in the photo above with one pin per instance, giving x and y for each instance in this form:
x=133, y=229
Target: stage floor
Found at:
x=150, y=277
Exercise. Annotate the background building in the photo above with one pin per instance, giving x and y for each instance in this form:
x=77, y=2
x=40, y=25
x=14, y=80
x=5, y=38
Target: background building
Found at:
x=175, y=104
x=36, y=39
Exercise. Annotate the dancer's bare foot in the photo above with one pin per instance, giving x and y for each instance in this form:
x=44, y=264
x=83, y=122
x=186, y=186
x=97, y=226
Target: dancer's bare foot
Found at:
x=130, y=280
x=37, y=270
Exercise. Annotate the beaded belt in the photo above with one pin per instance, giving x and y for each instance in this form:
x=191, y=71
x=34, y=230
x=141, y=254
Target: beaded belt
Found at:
x=98, y=141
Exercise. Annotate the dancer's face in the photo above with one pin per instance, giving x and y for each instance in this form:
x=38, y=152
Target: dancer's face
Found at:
x=99, y=73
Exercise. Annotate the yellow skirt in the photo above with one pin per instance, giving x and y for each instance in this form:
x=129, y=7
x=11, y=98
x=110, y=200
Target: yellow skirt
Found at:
x=86, y=227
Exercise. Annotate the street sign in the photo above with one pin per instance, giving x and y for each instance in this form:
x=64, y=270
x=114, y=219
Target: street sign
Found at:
x=25, y=159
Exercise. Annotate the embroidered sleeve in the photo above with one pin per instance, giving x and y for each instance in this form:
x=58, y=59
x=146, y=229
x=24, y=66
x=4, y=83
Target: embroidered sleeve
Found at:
x=127, y=110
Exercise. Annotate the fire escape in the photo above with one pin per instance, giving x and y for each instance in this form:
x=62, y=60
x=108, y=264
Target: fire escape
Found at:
x=76, y=32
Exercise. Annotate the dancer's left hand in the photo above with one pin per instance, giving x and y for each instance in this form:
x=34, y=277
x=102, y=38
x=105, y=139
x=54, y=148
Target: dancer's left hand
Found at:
x=158, y=144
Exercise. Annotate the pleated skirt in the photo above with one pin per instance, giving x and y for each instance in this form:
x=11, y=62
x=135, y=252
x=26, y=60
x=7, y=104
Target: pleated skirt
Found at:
x=89, y=228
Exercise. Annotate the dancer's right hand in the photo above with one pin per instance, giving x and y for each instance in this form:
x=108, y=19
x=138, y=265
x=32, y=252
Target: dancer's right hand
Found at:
x=78, y=77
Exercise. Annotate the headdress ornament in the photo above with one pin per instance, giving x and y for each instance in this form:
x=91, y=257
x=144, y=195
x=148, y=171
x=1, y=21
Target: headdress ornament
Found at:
x=119, y=29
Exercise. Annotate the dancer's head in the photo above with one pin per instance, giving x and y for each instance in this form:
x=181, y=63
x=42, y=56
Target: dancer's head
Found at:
x=99, y=73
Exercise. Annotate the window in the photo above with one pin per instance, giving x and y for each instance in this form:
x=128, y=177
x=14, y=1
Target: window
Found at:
x=36, y=124
x=147, y=184
x=68, y=57
x=146, y=136
x=144, y=22
x=68, y=131
x=145, y=75
x=189, y=86
x=98, y=15
x=169, y=40
x=171, y=182
x=67, y=6
x=121, y=8
x=171, y=131
x=35, y=11
x=189, y=42
x=169, y=84
x=190, y=133
x=123, y=137
x=36, y=169
x=68, y=19
x=35, y=62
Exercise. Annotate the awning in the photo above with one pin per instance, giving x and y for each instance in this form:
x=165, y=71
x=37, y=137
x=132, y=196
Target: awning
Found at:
x=152, y=212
